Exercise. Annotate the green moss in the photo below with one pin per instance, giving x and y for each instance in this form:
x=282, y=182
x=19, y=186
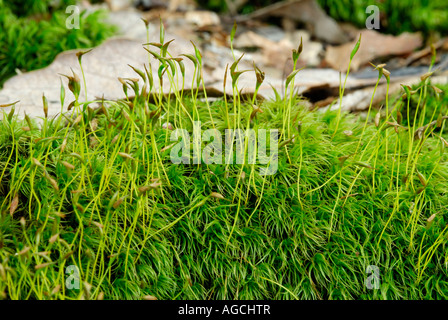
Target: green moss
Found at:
x=396, y=16
x=347, y=194
x=28, y=43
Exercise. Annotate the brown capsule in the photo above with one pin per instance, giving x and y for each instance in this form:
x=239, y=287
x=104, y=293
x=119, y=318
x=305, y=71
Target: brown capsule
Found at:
x=37, y=162
x=71, y=105
x=149, y=297
x=23, y=251
x=420, y=190
x=77, y=156
x=73, y=83
x=54, y=184
x=153, y=114
x=399, y=117
x=43, y=253
x=55, y=289
x=99, y=225
x=114, y=139
x=2, y=272
x=126, y=116
x=439, y=121
x=143, y=189
x=68, y=165
x=59, y=214
x=64, y=144
x=14, y=204
x=8, y=105
x=145, y=21
x=118, y=202
x=377, y=119
x=255, y=111
x=93, y=142
x=125, y=155
x=122, y=81
x=349, y=196
x=144, y=92
x=155, y=185
x=437, y=90
x=28, y=120
x=426, y=75
x=67, y=255
x=167, y=147
x=260, y=75
x=421, y=178
x=135, y=80
x=53, y=238
x=45, y=103
x=343, y=159
x=79, y=54
x=43, y=265
x=94, y=124
x=363, y=164
x=77, y=120
x=75, y=77
x=405, y=177
x=11, y=113
x=217, y=195
x=147, y=113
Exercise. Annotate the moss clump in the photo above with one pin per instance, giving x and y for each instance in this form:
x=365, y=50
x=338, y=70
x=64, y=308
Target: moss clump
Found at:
x=96, y=190
x=32, y=39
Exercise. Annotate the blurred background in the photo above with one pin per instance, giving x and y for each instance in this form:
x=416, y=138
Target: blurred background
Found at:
x=33, y=33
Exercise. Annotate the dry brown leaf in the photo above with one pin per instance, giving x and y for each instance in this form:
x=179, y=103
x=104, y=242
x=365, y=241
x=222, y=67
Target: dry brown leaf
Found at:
x=373, y=45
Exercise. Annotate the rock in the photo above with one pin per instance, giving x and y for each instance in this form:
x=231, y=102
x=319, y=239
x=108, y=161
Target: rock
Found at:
x=250, y=39
x=202, y=18
x=129, y=24
x=272, y=33
x=309, y=12
x=117, y=5
x=182, y=5
x=360, y=100
x=102, y=66
x=277, y=54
